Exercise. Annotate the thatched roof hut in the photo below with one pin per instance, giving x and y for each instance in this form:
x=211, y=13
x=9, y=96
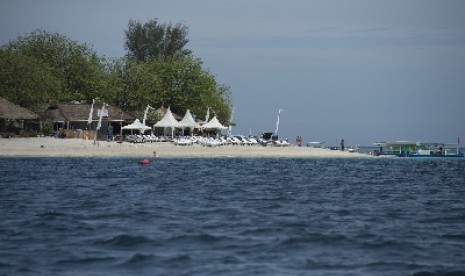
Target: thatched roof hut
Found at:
x=72, y=118
x=11, y=111
x=76, y=112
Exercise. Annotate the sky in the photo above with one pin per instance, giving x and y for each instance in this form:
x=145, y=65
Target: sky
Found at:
x=360, y=70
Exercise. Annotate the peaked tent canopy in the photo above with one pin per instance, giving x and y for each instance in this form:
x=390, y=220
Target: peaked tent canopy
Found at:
x=188, y=121
x=161, y=112
x=168, y=121
x=137, y=125
x=213, y=124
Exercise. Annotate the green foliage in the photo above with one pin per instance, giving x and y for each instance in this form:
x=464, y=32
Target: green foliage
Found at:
x=46, y=67
x=152, y=40
x=26, y=80
x=42, y=68
x=181, y=84
x=47, y=129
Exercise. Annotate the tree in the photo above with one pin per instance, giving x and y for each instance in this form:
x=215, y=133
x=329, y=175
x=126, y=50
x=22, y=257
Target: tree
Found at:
x=181, y=84
x=43, y=68
x=75, y=71
x=134, y=85
x=152, y=40
x=27, y=81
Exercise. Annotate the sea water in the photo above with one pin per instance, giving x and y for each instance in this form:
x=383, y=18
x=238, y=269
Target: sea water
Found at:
x=232, y=216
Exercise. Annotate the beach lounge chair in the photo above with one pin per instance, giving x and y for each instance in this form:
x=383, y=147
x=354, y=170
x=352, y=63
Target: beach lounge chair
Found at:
x=139, y=139
x=232, y=140
x=147, y=138
x=285, y=143
x=183, y=141
x=253, y=140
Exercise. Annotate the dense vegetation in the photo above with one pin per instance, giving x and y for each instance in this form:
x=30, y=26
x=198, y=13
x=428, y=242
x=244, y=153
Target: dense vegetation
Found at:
x=43, y=68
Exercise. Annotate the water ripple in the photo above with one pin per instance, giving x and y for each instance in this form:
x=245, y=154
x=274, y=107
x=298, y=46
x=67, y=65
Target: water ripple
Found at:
x=232, y=216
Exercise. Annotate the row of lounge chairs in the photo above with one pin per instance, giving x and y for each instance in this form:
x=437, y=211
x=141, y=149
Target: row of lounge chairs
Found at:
x=226, y=140
x=146, y=138
x=213, y=142
x=207, y=141
x=279, y=143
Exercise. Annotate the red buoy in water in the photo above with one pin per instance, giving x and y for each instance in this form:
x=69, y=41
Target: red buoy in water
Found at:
x=144, y=161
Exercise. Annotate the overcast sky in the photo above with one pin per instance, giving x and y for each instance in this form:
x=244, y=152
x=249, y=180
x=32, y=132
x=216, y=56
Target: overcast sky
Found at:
x=359, y=70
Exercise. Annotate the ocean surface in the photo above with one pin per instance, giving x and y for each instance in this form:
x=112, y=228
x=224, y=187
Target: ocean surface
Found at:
x=232, y=216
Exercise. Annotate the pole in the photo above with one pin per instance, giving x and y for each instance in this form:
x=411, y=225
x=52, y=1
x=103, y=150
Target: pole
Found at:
x=277, y=122
x=145, y=114
x=121, y=125
x=208, y=115
x=458, y=144
x=89, y=121
x=230, y=122
x=102, y=112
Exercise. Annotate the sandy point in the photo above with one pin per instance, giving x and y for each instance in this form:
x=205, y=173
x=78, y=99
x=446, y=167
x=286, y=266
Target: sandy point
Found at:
x=53, y=147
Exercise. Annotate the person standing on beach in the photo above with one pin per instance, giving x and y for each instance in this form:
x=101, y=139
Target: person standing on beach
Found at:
x=298, y=141
x=342, y=144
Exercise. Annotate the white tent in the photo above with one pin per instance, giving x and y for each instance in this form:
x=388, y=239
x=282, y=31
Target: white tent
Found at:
x=213, y=124
x=188, y=121
x=137, y=125
x=168, y=121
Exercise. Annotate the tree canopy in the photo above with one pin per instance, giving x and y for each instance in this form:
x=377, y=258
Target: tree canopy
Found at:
x=42, y=68
x=181, y=84
x=152, y=40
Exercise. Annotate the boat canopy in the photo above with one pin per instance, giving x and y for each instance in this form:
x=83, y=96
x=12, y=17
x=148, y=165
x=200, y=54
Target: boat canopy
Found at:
x=397, y=143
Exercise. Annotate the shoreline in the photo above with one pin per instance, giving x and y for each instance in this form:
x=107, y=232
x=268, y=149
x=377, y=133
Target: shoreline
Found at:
x=73, y=147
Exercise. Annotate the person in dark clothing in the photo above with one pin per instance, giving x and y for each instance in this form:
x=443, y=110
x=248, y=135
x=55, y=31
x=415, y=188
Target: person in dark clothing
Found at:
x=342, y=144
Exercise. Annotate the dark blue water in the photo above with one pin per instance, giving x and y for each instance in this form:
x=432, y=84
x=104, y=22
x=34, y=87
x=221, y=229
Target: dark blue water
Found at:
x=231, y=216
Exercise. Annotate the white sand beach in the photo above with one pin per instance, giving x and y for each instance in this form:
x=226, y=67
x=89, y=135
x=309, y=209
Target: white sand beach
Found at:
x=53, y=147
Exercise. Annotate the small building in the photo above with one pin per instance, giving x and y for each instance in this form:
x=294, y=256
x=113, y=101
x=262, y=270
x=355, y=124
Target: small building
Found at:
x=16, y=120
x=73, y=119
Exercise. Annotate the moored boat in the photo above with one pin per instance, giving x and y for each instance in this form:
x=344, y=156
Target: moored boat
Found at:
x=438, y=153
x=417, y=149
